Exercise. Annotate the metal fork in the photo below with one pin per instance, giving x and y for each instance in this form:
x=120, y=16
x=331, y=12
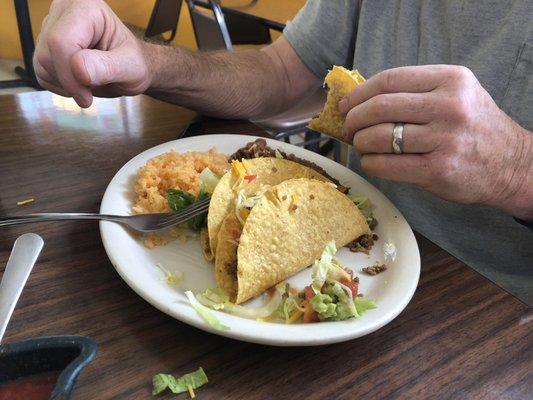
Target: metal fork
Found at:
x=141, y=222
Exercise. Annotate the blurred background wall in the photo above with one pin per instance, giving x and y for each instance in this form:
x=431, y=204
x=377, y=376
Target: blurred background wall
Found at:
x=135, y=12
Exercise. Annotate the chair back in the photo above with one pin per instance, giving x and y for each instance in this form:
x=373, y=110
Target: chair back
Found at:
x=247, y=30
x=164, y=18
x=209, y=25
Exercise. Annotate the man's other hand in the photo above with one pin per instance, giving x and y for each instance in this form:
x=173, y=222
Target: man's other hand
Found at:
x=457, y=143
x=84, y=49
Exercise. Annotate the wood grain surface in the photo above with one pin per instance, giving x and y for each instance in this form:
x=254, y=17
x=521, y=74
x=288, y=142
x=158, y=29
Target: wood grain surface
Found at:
x=461, y=336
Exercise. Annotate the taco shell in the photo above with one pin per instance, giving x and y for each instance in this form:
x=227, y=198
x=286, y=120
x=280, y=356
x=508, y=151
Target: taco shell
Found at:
x=340, y=82
x=284, y=233
x=263, y=172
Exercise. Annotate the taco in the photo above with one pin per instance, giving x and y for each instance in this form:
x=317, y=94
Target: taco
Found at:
x=285, y=231
x=339, y=82
x=239, y=189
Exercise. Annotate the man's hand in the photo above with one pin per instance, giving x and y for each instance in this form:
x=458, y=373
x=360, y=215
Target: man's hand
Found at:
x=457, y=143
x=84, y=49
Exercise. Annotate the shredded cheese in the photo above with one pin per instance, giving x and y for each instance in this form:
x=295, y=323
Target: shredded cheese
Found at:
x=294, y=316
x=271, y=317
x=170, y=278
x=244, y=213
x=240, y=170
x=191, y=391
x=24, y=202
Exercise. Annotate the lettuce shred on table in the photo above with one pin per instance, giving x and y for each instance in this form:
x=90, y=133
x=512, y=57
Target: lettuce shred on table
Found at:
x=187, y=382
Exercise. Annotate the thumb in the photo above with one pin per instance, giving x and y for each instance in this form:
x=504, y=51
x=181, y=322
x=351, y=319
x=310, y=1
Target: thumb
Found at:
x=97, y=67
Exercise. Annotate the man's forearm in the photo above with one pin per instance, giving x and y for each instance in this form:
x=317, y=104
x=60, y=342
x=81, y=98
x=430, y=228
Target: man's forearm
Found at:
x=239, y=84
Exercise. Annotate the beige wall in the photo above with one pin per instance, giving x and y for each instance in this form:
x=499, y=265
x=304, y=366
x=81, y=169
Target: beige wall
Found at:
x=136, y=12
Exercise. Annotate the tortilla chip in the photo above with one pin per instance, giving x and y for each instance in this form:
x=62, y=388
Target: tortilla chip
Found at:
x=226, y=255
x=268, y=171
x=340, y=82
x=288, y=230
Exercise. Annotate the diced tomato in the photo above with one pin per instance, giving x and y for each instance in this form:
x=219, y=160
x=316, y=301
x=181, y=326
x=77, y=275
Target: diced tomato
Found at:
x=350, y=272
x=293, y=291
x=271, y=290
x=310, y=315
x=309, y=292
x=250, y=178
x=353, y=285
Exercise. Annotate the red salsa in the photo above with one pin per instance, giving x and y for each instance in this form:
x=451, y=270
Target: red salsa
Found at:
x=33, y=387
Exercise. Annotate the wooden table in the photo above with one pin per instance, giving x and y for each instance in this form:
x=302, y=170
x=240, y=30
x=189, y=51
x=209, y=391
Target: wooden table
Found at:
x=460, y=337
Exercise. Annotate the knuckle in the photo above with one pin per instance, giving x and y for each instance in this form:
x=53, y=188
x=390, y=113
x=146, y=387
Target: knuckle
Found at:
x=359, y=142
x=43, y=59
x=55, y=40
x=349, y=123
x=461, y=110
x=460, y=74
x=380, y=104
x=457, y=108
x=41, y=83
x=387, y=81
x=351, y=98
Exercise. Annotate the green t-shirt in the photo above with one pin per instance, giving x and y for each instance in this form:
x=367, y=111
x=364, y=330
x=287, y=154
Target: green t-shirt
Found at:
x=494, y=39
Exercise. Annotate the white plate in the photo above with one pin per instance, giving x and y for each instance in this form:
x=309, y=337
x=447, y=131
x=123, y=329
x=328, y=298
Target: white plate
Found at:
x=391, y=289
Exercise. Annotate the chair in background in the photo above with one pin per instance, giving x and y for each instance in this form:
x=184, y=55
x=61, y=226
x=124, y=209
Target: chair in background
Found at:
x=215, y=30
x=164, y=18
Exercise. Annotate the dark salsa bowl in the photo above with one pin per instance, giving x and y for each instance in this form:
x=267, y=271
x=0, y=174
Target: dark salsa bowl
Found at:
x=44, y=367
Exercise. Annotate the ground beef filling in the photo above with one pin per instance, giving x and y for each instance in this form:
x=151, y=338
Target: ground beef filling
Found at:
x=259, y=148
x=363, y=244
x=231, y=268
x=374, y=269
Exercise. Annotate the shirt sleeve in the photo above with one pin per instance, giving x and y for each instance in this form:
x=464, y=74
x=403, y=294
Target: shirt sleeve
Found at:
x=323, y=34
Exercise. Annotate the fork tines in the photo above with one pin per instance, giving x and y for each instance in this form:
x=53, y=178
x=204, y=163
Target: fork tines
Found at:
x=187, y=213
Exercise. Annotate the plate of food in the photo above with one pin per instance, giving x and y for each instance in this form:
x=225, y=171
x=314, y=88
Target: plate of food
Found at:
x=294, y=250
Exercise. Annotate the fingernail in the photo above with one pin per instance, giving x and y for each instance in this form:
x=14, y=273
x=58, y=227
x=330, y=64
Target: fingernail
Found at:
x=79, y=100
x=343, y=106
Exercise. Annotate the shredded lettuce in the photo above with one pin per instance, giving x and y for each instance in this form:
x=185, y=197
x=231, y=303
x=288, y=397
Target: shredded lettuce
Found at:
x=193, y=380
x=243, y=202
x=364, y=205
x=322, y=265
x=323, y=304
x=205, y=313
x=340, y=305
x=217, y=299
x=278, y=154
x=289, y=303
x=362, y=305
x=333, y=300
x=209, y=180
